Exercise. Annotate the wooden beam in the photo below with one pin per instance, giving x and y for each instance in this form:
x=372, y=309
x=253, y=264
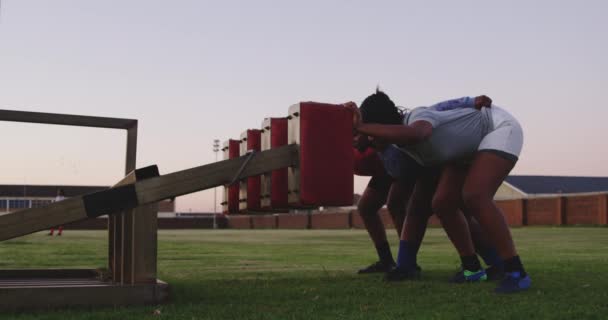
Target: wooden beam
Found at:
x=31, y=220
x=148, y=191
x=49, y=273
x=27, y=221
x=213, y=175
x=34, y=289
x=66, y=119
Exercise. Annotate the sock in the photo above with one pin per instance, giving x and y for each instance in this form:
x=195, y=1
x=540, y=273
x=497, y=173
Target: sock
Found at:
x=406, y=259
x=514, y=265
x=470, y=263
x=384, y=253
x=490, y=257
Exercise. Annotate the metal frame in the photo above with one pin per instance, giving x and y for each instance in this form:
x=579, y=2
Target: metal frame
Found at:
x=132, y=241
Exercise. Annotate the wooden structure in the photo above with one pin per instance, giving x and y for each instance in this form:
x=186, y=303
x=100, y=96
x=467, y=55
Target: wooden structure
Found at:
x=319, y=159
x=131, y=274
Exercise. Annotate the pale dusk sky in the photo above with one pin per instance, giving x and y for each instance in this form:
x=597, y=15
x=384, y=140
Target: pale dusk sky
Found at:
x=192, y=71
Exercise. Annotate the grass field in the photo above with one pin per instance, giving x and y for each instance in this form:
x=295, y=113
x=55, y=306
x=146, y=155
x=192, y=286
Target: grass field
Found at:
x=283, y=274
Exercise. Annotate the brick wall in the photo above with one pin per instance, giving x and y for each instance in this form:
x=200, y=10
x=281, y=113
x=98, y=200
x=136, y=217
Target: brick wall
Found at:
x=386, y=218
x=163, y=223
x=434, y=221
x=292, y=221
x=585, y=209
x=330, y=220
x=356, y=220
x=88, y=224
x=544, y=211
x=513, y=210
x=266, y=221
x=239, y=222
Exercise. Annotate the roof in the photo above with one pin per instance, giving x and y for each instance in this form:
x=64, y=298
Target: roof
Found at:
x=558, y=184
x=47, y=191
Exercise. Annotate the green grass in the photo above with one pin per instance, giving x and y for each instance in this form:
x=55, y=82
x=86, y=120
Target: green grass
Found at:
x=311, y=275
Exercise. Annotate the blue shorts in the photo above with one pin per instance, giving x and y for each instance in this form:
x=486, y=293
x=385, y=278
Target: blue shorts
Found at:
x=400, y=165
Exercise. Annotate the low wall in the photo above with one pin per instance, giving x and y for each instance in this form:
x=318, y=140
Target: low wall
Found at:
x=549, y=211
x=266, y=221
x=513, y=210
x=544, y=211
x=163, y=223
x=293, y=221
x=239, y=222
x=330, y=220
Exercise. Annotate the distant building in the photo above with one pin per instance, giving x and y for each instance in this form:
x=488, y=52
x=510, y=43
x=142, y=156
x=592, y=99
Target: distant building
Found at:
x=520, y=187
x=19, y=197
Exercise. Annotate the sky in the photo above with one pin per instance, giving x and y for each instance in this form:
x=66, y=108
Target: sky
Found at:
x=194, y=71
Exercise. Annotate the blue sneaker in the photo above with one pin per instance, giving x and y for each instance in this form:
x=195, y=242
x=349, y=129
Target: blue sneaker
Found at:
x=513, y=282
x=464, y=276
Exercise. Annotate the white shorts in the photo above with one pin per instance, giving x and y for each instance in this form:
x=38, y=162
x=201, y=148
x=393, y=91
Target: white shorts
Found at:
x=506, y=138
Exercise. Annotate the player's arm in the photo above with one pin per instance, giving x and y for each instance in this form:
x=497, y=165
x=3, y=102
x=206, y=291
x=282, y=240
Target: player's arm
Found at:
x=462, y=103
x=392, y=133
x=397, y=133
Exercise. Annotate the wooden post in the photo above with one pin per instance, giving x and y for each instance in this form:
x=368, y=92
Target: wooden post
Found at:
x=120, y=248
x=128, y=223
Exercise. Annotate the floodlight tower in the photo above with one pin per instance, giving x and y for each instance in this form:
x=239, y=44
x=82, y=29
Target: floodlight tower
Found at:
x=216, y=148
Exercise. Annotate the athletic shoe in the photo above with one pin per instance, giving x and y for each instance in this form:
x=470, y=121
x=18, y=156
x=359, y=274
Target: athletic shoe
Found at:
x=513, y=282
x=377, y=267
x=402, y=274
x=464, y=276
x=495, y=273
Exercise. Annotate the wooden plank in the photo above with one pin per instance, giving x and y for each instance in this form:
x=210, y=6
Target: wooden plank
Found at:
x=213, y=175
x=32, y=220
x=50, y=273
x=66, y=119
x=93, y=294
x=145, y=192
x=36, y=219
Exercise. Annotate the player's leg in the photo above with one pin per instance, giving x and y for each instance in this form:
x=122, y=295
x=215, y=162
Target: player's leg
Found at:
x=372, y=199
x=485, y=249
x=486, y=174
x=446, y=203
x=414, y=228
x=398, y=199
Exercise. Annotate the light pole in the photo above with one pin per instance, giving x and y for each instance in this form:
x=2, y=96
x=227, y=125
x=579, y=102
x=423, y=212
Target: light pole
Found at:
x=216, y=148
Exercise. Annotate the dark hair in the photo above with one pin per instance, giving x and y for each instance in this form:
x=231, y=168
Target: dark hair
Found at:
x=379, y=108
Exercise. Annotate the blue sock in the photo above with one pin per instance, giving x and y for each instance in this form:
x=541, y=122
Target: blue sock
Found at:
x=490, y=257
x=406, y=259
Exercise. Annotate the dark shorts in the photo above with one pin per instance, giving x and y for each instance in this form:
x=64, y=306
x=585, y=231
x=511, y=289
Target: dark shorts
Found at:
x=380, y=183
